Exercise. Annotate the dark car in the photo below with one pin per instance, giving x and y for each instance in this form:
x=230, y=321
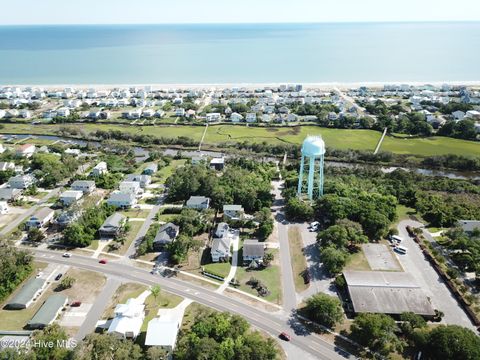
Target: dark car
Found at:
x=76, y=304
x=103, y=261
x=285, y=336
x=58, y=277
x=306, y=277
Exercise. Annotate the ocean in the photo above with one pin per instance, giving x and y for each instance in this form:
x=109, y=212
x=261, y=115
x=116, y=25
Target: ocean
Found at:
x=260, y=53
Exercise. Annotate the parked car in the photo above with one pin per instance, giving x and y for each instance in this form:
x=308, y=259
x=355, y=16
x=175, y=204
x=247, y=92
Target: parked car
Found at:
x=306, y=277
x=285, y=336
x=67, y=255
x=76, y=304
x=103, y=261
x=58, y=277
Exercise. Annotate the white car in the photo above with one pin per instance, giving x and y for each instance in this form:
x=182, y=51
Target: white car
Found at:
x=67, y=255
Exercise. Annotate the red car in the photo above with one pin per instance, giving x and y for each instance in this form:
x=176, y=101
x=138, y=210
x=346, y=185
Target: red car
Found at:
x=285, y=336
x=103, y=261
x=76, y=304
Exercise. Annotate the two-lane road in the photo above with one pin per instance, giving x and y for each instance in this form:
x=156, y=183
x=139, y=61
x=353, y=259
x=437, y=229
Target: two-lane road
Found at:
x=273, y=324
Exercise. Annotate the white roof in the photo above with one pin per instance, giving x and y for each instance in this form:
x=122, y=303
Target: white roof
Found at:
x=161, y=332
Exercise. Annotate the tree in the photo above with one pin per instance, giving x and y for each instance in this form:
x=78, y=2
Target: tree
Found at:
x=452, y=342
x=35, y=235
x=410, y=322
x=156, y=353
x=51, y=333
x=298, y=210
x=67, y=282
x=324, y=309
x=333, y=259
x=265, y=229
x=377, y=331
x=268, y=258
x=107, y=346
x=74, y=235
x=155, y=290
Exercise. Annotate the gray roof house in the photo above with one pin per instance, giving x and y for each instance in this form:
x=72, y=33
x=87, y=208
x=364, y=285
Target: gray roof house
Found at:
x=166, y=234
x=198, y=202
x=221, y=230
x=48, y=312
x=122, y=199
x=21, y=181
x=112, y=225
x=68, y=197
x=9, y=194
x=253, y=250
x=87, y=186
x=66, y=218
x=150, y=169
x=221, y=243
x=233, y=212
x=29, y=291
x=40, y=218
x=469, y=225
x=144, y=180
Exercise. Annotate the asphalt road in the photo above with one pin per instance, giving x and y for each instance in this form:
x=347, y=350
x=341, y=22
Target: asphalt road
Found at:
x=271, y=323
x=415, y=263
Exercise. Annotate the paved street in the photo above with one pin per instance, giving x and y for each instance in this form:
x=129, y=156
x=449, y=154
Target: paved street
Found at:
x=268, y=322
x=98, y=307
x=415, y=263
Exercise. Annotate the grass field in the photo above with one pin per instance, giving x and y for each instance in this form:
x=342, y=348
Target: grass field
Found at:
x=221, y=269
x=357, y=262
x=334, y=138
x=299, y=263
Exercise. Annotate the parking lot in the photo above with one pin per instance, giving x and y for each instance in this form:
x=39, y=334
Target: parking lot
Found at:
x=380, y=257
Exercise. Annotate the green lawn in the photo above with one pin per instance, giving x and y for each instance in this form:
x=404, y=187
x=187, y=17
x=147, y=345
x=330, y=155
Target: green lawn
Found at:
x=299, y=263
x=136, y=213
x=358, y=262
x=334, y=138
x=269, y=276
x=132, y=233
x=164, y=300
x=164, y=173
x=220, y=269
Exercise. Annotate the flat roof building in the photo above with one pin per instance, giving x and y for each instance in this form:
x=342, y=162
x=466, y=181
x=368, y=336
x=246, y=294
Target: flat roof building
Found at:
x=29, y=291
x=48, y=312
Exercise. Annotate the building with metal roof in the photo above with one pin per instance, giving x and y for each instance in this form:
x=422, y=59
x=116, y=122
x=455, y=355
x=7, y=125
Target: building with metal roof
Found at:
x=112, y=225
x=253, y=250
x=162, y=332
x=25, y=296
x=48, y=312
x=166, y=234
x=386, y=292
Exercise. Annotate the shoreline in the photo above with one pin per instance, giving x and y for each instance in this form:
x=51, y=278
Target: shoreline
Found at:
x=249, y=85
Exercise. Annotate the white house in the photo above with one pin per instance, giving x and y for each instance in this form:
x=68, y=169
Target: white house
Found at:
x=236, y=117
x=21, y=181
x=162, y=331
x=251, y=117
x=6, y=165
x=100, y=169
x=40, y=218
x=198, y=202
x=233, y=212
x=211, y=117
x=180, y=112
x=87, y=186
x=26, y=150
x=69, y=197
x=122, y=199
x=473, y=114
x=63, y=112
x=130, y=186
x=143, y=179
x=128, y=319
x=220, y=250
x=458, y=115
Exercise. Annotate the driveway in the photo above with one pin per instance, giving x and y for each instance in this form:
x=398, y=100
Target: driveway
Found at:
x=415, y=263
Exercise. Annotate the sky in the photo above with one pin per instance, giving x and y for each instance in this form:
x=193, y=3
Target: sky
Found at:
x=29, y=12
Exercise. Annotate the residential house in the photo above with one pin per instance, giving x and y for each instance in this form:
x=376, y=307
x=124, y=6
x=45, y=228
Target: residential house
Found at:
x=25, y=114
x=41, y=218
x=9, y=194
x=220, y=250
x=150, y=169
x=27, y=294
x=332, y=116
x=162, y=331
x=236, y=117
x=233, y=212
x=26, y=150
x=166, y=234
x=266, y=118
x=63, y=112
x=458, y=115
x=144, y=180
x=87, y=186
x=213, y=117
x=253, y=250
x=292, y=118
x=128, y=319
x=69, y=197
x=473, y=114
x=469, y=225
x=180, y=112
x=122, y=199
x=66, y=218
x=217, y=163
x=3, y=208
x=130, y=186
x=100, y=169
x=112, y=226
x=198, y=202
x=251, y=117
x=4, y=166
x=48, y=312
x=21, y=181
x=73, y=152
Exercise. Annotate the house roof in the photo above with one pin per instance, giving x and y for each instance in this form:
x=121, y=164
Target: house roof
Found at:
x=161, y=332
x=25, y=147
x=217, y=160
x=253, y=248
x=167, y=233
x=128, y=318
x=232, y=208
x=137, y=177
x=222, y=229
x=113, y=221
x=153, y=167
x=49, y=310
x=7, y=193
x=386, y=292
x=43, y=213
x=27, y=292
x=122, y=196
x=197, y=200
x=469, y=225
x=72, y=194
x=221, y=245
x=83, y=183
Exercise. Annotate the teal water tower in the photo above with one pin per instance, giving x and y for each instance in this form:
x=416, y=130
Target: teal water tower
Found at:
x=310, y=177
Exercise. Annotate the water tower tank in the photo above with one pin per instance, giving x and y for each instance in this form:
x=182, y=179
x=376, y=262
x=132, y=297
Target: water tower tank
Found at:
x=313, y=146
x=310, y=177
